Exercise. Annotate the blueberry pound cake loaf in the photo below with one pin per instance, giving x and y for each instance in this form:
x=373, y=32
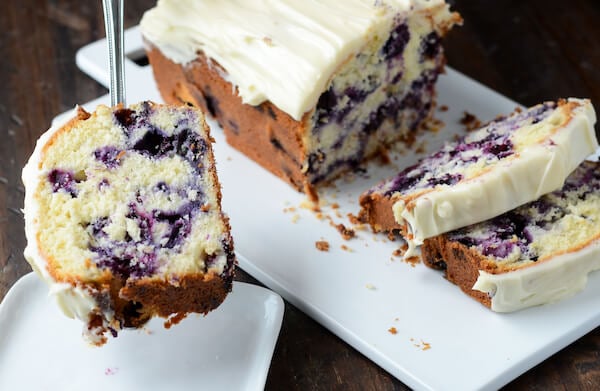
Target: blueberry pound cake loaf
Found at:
x=508, y=162
x=123, y=217
x=308, y=89
x=538, y=253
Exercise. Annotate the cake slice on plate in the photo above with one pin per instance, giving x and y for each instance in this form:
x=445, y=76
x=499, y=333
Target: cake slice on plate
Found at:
x=123, y=217
x=506, y=163
x=538, y=253
x=307, y=89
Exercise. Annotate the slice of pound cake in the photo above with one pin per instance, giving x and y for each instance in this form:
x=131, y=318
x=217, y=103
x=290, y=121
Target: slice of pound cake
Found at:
x=123, y=217
x=506, y=163
x=538, y=253
x=308, y=89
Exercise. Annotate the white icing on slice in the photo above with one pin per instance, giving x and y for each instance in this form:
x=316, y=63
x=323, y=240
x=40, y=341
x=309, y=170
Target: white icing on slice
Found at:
x=537, y=170
x=546, y=282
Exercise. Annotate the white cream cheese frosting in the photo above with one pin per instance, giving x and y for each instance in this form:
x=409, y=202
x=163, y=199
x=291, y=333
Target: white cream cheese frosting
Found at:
x=549, y=281
x=73, y=300
x=539, y=169
x=283, y=51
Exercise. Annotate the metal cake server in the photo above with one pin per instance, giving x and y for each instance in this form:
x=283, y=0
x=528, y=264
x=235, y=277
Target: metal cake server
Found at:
x=113, y=22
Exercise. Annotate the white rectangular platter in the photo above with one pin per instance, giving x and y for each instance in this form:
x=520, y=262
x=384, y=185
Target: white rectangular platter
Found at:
x=362, y=293
x=228, y=349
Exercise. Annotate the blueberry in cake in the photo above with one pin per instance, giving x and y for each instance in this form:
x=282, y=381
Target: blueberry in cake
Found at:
x=307, y=89
x=123, y=217
x=538, y=253
x=506, y=163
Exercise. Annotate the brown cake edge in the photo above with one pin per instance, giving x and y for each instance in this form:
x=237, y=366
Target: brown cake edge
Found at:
x=198, y=293
x=460, y=264
x=376, y=210
x=264, y=133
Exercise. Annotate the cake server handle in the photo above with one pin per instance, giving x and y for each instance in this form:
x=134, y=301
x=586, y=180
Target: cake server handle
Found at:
x=113, y=22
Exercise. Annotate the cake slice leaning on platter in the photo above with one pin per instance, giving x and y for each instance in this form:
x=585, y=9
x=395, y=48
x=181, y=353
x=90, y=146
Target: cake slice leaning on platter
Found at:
x=506, y=163
x=123, y=217
x=307, y=89
x=538, y=253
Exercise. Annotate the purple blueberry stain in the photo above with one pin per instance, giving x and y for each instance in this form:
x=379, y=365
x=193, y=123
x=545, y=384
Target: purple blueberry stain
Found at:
x=162, y=186
x=103, y=184
x=430, y=46
x=97, y=227
x=395, y=45
x=63, y=180
x=136, y=253
x=123, y=257
x=109, y=156
x=499, y=236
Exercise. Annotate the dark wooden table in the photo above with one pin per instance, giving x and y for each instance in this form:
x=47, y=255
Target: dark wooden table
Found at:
x=528, y=50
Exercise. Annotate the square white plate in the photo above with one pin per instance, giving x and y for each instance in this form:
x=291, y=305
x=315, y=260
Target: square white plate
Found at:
x=443, y=339
x=228, y=349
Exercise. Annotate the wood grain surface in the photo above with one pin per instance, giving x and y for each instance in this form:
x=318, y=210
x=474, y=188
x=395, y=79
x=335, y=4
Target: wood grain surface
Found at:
x=529, y=51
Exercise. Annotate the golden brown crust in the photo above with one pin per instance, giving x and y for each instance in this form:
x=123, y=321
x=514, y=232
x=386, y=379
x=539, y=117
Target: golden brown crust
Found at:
x=264, y=133
x=198, y=293
x=461, y=264
x=376, y=210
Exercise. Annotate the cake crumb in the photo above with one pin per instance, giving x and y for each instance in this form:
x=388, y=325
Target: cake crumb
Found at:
x=370, y=287
x=384, y=156
x=392, y=330
x=354, y=219
x=295, y=218
x=421, y=345
x=335, y=205
x=268, y=41
x=346, y=248
x=412, y=261
x=310, y=205
x=174, y=319
x=434, y=124
x=347, y=233
x=421, y=148
x=443, y=108
x=322, y=245
x=400, y=251
x=470, y=121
